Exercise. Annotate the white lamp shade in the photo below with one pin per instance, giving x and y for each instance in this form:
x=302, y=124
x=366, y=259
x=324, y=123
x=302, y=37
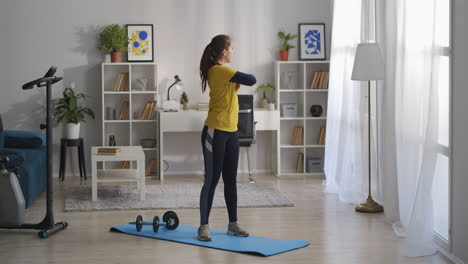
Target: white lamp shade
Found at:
x=368, y=63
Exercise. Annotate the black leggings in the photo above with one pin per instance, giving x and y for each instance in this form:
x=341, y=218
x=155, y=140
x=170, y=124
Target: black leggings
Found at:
x=221, y=154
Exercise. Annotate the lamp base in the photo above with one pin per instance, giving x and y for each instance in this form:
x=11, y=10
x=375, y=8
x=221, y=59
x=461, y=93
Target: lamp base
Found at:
x=171, y=106
x=369, y=206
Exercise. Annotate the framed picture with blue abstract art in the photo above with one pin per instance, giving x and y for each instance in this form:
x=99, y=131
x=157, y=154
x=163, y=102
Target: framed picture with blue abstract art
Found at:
x=140, y=45
x=312, y=41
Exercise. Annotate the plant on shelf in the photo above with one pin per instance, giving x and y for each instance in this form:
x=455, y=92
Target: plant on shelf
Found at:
x=114, y=39
x=184, y=100
x=70, y=110
x=285, y=46
x=264, y=89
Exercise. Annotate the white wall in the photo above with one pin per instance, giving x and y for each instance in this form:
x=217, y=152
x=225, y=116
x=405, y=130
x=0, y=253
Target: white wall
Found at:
x=37, y=34
x=459, y=131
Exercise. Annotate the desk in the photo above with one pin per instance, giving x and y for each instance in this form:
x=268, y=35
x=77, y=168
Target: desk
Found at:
x=193, y=120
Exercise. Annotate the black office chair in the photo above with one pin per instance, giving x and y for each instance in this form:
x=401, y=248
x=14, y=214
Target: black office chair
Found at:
x=246, y=126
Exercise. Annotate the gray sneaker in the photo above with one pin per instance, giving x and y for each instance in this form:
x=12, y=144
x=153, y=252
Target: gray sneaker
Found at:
x=204, y=233
x=235, y=230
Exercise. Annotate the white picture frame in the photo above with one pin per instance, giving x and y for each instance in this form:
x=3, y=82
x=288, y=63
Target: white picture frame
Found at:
x=312, y=43
x=141, y=44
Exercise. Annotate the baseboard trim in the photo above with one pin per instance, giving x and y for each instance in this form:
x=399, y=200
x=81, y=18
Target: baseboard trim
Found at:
x=200, y=172
x=450, y=256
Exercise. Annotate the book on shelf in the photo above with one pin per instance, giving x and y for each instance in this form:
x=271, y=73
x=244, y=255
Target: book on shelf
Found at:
x=297, y=136
x=320, y=80
x=322, y=136
x=299, y=163
x=108, y=151
x=148, y=111
x=149, y=167
x=124, y=111
x=202, y=106
x=124, y=165
x=122, y=82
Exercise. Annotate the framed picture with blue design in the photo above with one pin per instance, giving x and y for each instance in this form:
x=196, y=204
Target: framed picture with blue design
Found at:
x=140, y=43
x=312, y=41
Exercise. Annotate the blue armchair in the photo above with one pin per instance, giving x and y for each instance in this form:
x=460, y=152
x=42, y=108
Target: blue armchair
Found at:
x=30, y=147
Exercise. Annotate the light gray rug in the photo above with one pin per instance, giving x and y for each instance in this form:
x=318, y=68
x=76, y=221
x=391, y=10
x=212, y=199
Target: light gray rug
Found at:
x=170, y=196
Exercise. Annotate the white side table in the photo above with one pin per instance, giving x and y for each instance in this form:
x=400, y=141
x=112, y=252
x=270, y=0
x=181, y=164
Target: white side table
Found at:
x=127, y=153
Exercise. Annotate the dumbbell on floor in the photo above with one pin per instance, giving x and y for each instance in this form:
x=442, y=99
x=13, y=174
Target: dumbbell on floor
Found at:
x=170, y=221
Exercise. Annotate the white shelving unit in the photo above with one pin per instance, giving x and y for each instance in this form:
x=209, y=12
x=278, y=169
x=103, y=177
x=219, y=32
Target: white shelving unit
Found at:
x=293, y=80
x=130, y=131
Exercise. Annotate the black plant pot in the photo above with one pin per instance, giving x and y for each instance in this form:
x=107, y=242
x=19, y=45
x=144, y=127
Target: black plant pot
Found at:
x=316, y=110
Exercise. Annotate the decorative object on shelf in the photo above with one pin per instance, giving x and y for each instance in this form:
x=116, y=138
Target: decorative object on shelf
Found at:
x=368, y=65
x=314, y=164
x=108, y=113
x=312, y=41
x=264, y=88
x=285, y=46
x=172, y=106
x=148, y=142
x=289, y=80
x=140, y=47
x=114, y=114
x=71, y=111
x=320, y=80
x=184, y=100
x=289, y=110
x=113, y=39
x=316, y=110
x=140, y=84
x=112, y=140
x=121, y=83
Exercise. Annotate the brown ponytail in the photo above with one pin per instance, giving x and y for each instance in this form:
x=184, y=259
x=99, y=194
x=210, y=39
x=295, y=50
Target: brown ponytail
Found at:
x=211, y=55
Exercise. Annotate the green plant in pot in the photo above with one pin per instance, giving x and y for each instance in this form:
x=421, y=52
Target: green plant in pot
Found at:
x=114, y=39
x=285, y=46
x=184, y=100
x=70, y=110
x=264, y=88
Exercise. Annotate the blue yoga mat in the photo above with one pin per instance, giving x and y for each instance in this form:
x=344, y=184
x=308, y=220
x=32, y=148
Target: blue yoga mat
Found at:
x=220, y=240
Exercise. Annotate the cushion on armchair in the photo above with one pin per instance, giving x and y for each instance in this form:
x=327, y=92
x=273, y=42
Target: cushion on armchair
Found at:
x=23, y=139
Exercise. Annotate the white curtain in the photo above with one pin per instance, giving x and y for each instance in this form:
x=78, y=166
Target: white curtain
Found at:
x=413, y=76
x=346, y=166
x=407, y=115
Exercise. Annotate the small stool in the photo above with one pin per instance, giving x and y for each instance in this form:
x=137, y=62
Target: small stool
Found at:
x=64, y=143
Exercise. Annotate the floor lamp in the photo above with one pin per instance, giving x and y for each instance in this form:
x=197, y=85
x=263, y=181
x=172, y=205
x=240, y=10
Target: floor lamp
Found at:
x=368, y=66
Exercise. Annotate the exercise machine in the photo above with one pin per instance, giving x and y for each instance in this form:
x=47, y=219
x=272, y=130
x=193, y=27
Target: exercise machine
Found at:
x=15, y=199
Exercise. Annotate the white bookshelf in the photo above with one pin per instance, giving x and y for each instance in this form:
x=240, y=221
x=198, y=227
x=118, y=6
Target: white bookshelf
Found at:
x=293, y=80
x=130, y=131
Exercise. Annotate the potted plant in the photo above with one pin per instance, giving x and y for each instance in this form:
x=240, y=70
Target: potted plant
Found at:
x=184, y=100
x=71, y=111
x=285, y=46
x=114, y=39
x=264, y=88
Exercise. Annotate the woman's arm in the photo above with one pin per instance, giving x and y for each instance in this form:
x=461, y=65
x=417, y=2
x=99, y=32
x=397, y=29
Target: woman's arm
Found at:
x=243, y=78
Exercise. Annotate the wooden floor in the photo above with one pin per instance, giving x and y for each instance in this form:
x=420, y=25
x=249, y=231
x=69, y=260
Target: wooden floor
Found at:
x=337, y=234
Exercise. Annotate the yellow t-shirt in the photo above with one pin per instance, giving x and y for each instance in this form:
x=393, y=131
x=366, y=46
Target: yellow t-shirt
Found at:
x=223, y=112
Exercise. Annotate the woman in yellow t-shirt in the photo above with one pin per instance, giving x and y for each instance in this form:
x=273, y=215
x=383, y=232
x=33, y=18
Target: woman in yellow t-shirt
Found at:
x=220, y=141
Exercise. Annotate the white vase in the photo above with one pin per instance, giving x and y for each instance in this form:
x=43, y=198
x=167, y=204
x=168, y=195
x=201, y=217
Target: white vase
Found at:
x=265, y=103
x=72, y=131
x=271, y=107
